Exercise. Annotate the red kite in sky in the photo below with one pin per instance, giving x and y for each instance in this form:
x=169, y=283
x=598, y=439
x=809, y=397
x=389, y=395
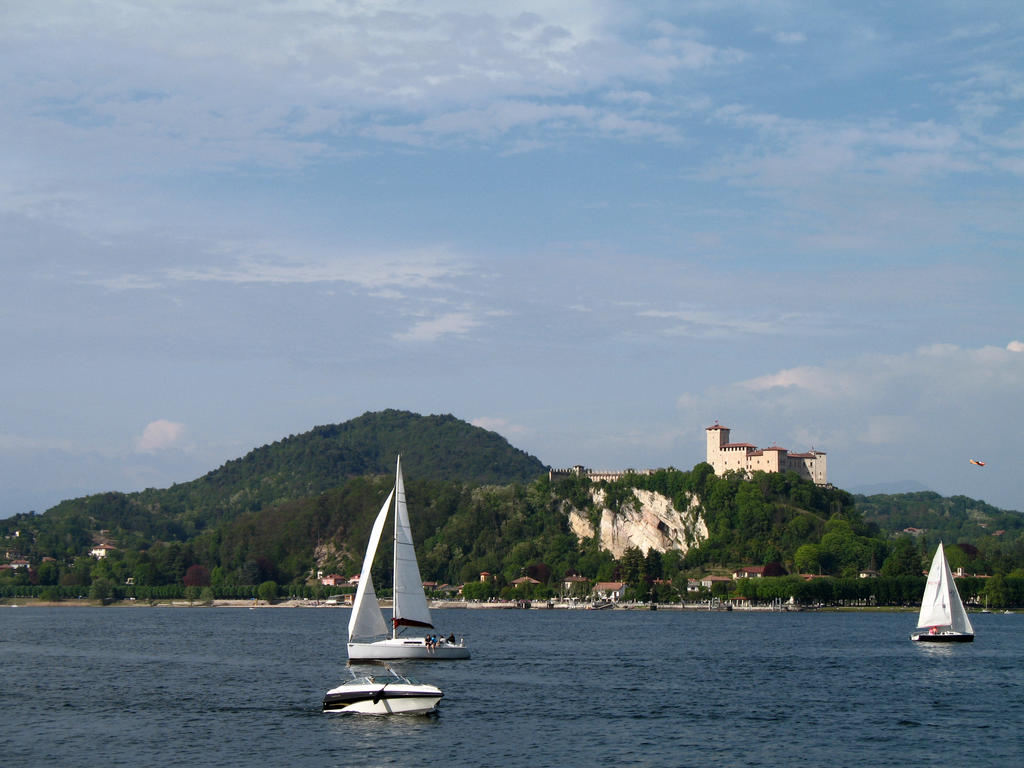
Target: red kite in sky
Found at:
x=979, y=463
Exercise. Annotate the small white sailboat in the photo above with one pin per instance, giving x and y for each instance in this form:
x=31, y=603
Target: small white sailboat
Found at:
x=942, y=618
x=390, y=694
x=367, y=628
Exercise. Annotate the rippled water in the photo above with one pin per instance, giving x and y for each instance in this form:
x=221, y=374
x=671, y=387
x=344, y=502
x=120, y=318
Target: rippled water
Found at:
x=236, y=687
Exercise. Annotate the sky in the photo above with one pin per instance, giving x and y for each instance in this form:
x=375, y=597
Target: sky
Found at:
x=594, y=227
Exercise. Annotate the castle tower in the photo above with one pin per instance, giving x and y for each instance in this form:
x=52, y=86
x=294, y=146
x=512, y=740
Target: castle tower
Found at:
x=717, y=437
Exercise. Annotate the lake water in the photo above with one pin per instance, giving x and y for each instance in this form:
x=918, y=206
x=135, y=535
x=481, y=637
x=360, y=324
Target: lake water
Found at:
x=236, y=687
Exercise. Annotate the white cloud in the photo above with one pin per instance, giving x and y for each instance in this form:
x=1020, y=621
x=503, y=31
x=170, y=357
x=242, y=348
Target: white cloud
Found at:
x=1015, y=346
x=280, y=86
x=457, y=323
x=159, y=435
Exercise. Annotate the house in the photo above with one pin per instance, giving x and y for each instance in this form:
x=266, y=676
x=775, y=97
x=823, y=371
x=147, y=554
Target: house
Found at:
x=709, y=581
x=609, y=590
x=486, y=576
x=524, y=580
x=750, y=572
x=868, y=573
x=692, y=585
x=333, y=580
x=574, y=585
x=20, y=565
x=101, y=551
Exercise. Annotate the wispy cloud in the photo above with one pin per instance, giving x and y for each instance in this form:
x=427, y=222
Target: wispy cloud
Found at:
x=17, y=444
x=497, y=424
x=721, y=323
x=297, y=264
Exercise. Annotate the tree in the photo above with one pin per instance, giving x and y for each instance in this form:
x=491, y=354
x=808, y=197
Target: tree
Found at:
x=478, y=590
x=48, y=573
x=631, y=566
x=903, y=559
x=652, y=565
x=102, y=589
x=807, y=559
x=196, y=576
x=996, y=592
x=267, y=591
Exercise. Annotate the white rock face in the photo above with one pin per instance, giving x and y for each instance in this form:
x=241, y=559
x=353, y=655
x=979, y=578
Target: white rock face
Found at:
x=647, y=520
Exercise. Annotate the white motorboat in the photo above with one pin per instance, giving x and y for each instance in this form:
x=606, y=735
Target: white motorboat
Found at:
x=389, y=694
x=942, y=618
x=367, y=629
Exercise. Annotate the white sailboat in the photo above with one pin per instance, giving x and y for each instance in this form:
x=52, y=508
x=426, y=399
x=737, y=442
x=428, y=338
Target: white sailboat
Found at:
x=942, y=618
x=367, y=628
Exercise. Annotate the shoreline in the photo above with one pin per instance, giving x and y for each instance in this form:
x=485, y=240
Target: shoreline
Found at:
x=29, y=602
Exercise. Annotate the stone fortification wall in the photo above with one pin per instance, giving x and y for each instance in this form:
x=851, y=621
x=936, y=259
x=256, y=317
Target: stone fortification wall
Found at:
x=646, y=520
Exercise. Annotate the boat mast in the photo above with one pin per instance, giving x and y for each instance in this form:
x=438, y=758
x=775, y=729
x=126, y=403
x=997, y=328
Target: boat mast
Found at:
x=394, y=556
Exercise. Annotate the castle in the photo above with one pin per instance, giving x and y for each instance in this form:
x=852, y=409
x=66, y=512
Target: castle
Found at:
x=725, y=456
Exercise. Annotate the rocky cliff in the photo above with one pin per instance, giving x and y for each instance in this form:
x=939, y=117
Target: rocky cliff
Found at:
x=646, y=520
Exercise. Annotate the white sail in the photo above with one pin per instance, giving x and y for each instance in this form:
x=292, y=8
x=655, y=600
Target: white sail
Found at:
x=410, y=602
x=367, y=620
x=941, y=605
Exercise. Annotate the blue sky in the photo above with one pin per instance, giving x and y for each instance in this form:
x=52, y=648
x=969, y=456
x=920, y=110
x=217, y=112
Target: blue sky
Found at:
x=594, y=228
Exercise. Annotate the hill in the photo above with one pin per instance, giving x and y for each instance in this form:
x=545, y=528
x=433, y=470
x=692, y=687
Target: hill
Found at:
x=438, y=447
x=954, y=519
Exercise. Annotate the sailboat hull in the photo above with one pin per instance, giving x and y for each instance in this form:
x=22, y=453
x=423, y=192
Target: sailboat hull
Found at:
x=394, y=649
x=942, y=637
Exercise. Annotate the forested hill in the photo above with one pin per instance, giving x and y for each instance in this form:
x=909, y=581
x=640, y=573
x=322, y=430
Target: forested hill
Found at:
x=952, y=519
x=439, y=448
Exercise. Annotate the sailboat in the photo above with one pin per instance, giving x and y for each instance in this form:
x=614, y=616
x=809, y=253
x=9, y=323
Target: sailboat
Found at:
x=367, y=629
x=942, y=618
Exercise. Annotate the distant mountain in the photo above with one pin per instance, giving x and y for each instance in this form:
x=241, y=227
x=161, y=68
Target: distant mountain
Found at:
x=439, y=447
x=898, y=486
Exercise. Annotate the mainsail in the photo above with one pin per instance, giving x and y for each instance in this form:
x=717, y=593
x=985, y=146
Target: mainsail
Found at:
x=941, y=605
x=367, y=620
x=410, y=602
